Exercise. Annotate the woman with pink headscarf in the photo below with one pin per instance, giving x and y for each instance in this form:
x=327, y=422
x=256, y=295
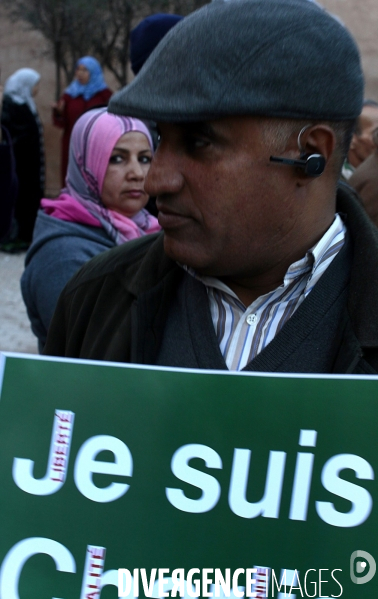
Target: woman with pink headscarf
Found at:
x=101, y=206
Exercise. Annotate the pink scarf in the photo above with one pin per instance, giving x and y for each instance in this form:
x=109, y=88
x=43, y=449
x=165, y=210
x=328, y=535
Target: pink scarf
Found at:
x=67, y=208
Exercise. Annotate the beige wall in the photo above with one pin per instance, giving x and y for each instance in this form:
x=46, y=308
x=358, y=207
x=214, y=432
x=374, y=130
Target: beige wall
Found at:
x=22, y=48
x=361, y=18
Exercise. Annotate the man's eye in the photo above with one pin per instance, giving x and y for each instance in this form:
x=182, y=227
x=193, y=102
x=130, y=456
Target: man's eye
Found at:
x=194, y=143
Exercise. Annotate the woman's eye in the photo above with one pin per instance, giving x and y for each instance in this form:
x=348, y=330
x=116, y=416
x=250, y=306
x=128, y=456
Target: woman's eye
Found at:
x=116, y=159
x=145, y=159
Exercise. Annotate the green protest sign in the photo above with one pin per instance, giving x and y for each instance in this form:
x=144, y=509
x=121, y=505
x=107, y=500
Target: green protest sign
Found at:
x=205, y=475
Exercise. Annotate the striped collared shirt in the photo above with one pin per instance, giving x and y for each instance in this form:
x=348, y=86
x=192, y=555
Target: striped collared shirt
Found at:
x=243, y=332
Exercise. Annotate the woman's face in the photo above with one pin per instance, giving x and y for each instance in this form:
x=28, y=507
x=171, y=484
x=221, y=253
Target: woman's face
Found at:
x=82, y=74
x=35, y=89
x=123, y=187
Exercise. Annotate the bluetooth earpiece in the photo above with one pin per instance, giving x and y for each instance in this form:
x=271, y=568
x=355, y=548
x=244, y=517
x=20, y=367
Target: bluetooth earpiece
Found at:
x=313, y=165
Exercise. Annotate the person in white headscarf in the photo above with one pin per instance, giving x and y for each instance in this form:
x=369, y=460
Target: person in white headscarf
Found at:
x=21, y=119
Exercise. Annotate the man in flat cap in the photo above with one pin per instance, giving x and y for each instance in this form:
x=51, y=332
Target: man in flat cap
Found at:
x=262, y=264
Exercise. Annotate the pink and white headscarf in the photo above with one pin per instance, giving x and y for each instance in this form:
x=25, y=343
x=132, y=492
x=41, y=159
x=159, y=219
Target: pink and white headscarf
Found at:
x=92, y=141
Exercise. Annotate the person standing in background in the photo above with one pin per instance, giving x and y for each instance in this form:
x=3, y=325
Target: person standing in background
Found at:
x=20, y=117
x=143, y=40
x=8, y=178
x=87, y=90
x=146, y=35
x=362, y=144
x=365, y=181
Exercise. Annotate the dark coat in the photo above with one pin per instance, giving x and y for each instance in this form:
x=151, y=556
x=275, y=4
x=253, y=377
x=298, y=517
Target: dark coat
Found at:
x=73, y=109
x=8, y=183
x=58, y=250
x=116, y=307
x=24, y=129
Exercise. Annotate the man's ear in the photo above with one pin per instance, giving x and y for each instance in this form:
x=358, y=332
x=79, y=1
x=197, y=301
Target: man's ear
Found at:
x=315, y=139
x=319, y=139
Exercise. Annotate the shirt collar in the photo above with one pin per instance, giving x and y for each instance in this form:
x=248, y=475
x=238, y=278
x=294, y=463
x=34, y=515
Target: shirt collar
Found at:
x=308, y=264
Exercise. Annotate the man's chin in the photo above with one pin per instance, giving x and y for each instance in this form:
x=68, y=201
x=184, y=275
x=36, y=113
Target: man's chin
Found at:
x=191, y=255
x=185, y=253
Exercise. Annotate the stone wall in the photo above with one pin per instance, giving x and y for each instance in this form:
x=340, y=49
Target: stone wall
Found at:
x=361, y=18
x=20, y=47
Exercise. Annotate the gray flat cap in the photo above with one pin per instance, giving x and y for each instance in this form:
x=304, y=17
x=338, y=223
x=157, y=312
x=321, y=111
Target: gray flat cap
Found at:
x=278, y=58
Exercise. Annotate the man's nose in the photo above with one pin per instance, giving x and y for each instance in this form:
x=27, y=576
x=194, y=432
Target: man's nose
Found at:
x=164, y=176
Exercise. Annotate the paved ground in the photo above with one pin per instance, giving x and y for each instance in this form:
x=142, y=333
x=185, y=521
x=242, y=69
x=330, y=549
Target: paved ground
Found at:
x=15, y=333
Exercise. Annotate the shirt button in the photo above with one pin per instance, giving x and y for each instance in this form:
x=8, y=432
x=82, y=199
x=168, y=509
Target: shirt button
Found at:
x=251, y=319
